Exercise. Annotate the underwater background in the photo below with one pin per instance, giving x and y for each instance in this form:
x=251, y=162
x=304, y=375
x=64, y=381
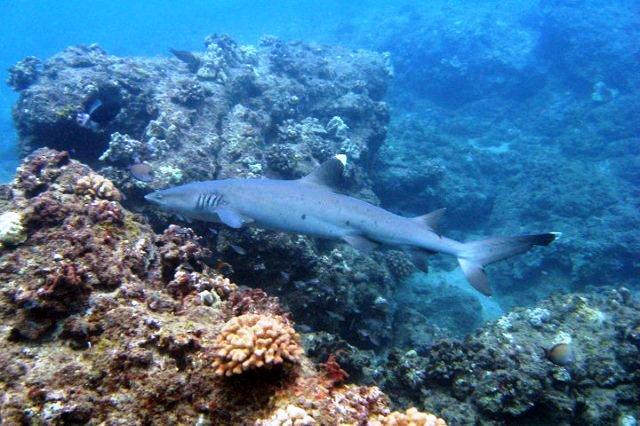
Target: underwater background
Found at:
x=518, y=117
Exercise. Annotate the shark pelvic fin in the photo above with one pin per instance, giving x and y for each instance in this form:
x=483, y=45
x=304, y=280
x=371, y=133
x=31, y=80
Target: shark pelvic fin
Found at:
x=431, y=220
x=329, y=173
x=231, y=217
x=359, y=242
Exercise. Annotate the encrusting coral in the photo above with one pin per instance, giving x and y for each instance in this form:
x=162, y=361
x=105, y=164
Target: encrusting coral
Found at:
x=12, y=229
x=255, y=341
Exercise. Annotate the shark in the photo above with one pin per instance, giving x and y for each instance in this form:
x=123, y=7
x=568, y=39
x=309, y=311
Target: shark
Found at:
x=314, y=205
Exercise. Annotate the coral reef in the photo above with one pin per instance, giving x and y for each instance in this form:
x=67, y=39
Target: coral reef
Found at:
x=255, y=341
x=103, y=321
x=500, y=113
x=505, y=371
x=275, y=109
x=24, y=73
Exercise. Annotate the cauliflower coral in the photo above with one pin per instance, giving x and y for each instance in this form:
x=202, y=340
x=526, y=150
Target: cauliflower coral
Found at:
x=291, y=416
x=411, y=417
x=12, y=230
x=252, y=341
x=97, y=186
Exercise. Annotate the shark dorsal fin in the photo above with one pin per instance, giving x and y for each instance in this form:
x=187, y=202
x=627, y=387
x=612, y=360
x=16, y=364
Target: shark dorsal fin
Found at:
x=329, y=173
x=430, y=220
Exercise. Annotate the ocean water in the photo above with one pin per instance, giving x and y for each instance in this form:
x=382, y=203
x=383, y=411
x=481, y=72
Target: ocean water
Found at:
x=519, y=118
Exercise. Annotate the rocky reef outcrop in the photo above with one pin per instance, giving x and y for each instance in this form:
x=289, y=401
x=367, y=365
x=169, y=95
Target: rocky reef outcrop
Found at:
x=277, y=110
x=518, y=117
x=102, y=320
x=571, y=359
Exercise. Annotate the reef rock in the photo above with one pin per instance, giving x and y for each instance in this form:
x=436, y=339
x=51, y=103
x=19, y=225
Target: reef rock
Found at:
x=506, y=371
x=103, y=321
x=277, y=109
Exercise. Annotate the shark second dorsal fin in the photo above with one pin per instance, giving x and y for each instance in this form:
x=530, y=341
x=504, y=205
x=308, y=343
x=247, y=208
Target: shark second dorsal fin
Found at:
x=430, y=220
x=329, y=173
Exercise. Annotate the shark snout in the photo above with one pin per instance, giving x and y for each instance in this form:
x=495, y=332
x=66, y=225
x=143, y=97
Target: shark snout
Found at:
x=153, y=197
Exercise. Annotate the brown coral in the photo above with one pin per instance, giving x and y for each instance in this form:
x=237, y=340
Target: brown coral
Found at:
x=97, y=186
x=411, y=417
x=255, y=341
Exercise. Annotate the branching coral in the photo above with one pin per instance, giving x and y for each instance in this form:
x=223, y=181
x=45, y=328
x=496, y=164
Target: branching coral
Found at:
x=12, y=229
x=97, y=186
x=411, y=417
x=255, y=341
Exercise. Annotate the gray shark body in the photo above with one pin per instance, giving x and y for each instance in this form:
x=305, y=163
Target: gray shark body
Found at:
x=312, y=206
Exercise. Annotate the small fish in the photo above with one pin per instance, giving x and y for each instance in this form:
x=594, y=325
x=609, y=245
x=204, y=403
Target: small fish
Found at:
x=188, y=58
x=239, y=250
x=95, y=105
x=286, y=277
x=213, y=231
x=86, y=118
x=223, y=268
x=183, y=218
x=560, y=354
x=141, y=171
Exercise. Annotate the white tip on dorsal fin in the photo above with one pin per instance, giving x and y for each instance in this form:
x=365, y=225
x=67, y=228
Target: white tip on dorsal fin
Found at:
x=431, y=220
x=329, y=173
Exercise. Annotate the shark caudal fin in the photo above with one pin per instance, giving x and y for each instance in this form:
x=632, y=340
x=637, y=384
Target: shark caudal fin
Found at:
x=477, y=254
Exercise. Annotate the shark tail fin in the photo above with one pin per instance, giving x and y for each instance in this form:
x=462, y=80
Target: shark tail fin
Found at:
x=475, y=255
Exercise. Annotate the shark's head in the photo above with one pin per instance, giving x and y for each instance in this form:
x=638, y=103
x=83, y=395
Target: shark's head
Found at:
x=180, y=200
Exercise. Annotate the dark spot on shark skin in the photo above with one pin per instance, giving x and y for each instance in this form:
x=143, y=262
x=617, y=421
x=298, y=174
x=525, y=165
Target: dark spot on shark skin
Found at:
x=304, y=216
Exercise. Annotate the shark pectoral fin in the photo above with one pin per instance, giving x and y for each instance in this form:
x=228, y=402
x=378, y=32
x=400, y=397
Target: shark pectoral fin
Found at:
x=183, y=218
x=231, y=217
x=359, y=242
x=474, y=273
x=430, y=220
x=419, y=258
x=328, y=174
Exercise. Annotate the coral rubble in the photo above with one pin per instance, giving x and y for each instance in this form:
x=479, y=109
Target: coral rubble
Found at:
x=103, y=321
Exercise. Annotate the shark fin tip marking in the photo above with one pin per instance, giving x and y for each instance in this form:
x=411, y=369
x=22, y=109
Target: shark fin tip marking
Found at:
x=342, y=158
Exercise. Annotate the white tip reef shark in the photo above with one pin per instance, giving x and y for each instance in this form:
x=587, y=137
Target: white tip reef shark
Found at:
x=313, y=206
